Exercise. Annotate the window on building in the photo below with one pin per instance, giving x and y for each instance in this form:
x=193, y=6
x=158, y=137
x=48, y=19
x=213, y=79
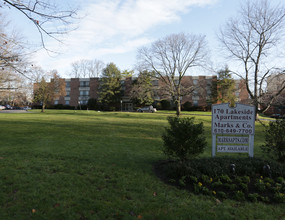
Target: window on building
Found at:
x=195, y=81
x=195, y=103
x=84, y=83
x=83, y=102
x=123, y=85
x=56, y=102
x=209, y=83
x=195, y=97
x=67, y=93
x=155, y=82
x=67, y=84
x=237, y=85
x=84, y=93
x=67, y=102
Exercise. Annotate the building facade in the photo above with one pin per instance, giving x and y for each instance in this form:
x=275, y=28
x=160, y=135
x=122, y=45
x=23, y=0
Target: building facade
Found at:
x=274, y=83
x=195, y=89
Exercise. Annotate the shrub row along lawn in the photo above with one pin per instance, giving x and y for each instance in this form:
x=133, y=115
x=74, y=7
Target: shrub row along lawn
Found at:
x=95, y=165
x=228, y=178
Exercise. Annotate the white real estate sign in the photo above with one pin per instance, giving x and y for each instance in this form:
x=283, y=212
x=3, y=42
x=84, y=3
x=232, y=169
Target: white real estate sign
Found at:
x=233, y=128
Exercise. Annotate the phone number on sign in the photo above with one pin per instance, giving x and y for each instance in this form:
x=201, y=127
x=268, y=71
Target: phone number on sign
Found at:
x=233, y=131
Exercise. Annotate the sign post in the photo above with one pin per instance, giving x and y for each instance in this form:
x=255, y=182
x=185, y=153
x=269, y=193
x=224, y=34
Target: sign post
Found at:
x=233, y=128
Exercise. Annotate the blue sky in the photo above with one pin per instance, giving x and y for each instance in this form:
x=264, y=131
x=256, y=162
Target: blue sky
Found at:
x=113, y=30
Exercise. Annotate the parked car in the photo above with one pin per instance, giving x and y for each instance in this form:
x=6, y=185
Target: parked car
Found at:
x=27, y=108
x=147, y=109
x=16, y=108
x=2, y=107
x=8, y=107
x=277, y=116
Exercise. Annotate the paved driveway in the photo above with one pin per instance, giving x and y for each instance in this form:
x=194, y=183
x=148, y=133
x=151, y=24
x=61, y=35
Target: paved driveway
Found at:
x=14, y=111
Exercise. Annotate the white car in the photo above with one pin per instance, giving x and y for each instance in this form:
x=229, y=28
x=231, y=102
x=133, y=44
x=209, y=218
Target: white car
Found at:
x=2, y=107
x=147, y=109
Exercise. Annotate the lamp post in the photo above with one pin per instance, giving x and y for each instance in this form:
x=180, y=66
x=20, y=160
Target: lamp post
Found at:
x=79, y=105
x=121, y=105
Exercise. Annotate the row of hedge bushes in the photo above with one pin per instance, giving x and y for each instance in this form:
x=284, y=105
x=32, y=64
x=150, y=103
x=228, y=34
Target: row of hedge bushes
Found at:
x=93, y=104
x=223, y=177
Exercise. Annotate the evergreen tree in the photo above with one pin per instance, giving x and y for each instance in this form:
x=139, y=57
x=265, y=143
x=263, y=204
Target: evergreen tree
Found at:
x=110, y=87
x=225, y=86
x=142, y=91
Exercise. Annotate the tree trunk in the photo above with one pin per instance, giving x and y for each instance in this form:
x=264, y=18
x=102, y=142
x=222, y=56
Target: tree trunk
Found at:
x=178, y=102
x=43, y=108
x=178, y=107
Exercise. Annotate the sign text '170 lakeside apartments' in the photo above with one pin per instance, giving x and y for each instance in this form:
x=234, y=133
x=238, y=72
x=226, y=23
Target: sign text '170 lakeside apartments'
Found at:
x=233, y=121
x=233, y=128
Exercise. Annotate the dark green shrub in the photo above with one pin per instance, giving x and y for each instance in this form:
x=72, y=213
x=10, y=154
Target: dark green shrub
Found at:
x=253, y=197
x=214, y=174
x=230, y=186
x=205, y=191
x=246, y=168
x=244, y=187
x=157, y=106
x=280, y=180
x=275, y=140
x=239, y=195
x=165, y=105
x=193, y=179
x=269, y=180
x=182, y=181
x=245, y=179
x=222, y=195
x=183, y=140
x=187, y=106
x=206, y=179
x=217, y=184
x=264, y=198
x=260, y=186
x=92, y=104
x=225, y=179
x=279, y=197
x=239, y=180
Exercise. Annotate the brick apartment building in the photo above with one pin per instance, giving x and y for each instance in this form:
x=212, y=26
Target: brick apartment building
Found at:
x=197, y=91
x=274, y=83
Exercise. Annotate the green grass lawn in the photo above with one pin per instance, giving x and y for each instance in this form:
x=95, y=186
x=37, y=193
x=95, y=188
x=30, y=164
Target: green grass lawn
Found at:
x=97, y=165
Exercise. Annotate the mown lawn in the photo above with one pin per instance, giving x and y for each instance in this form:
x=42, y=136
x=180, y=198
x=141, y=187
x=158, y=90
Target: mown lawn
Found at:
x=95, y=165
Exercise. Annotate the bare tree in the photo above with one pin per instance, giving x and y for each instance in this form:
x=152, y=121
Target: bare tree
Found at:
x=45, y=92
x=171, y=57
x=13, y=53
x=15, y=89
x=274, y=95
x=251, y=39
x=36, y=73
x=87, y=68
x=49, y=19
x=47, y=16
x=95, y=68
